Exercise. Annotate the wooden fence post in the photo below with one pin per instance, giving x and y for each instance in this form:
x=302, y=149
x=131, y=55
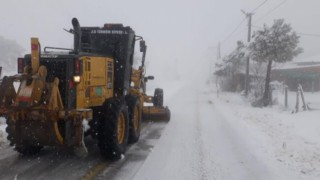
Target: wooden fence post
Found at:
x=286, y=96
x=297, y=101
x=302, y=98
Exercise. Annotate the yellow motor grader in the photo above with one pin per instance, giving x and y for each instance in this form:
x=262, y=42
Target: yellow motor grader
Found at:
x=61, y=95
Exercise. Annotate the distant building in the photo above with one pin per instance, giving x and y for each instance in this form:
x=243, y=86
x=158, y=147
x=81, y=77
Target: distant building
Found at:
x=305, y=73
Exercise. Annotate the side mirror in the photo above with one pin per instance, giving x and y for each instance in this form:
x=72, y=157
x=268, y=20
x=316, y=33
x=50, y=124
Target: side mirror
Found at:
x=142, y=46
x=150, y=77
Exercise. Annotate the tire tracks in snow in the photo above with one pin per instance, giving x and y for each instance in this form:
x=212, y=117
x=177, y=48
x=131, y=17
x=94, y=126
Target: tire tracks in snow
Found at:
x=246, y=160
x=200, y=162
x=54, y=163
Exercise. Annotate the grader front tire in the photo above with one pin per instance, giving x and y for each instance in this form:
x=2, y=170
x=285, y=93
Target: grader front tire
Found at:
x=28, y=149
x=10, y=129
x=23, y=148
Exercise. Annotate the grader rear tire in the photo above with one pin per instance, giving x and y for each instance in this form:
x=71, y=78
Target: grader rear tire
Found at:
x=135, y=116
x=113, y=129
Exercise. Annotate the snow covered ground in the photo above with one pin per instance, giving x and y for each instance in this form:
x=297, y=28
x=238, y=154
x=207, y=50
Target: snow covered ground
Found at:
x=3, y=134
x=223, y=137
x=211, y=137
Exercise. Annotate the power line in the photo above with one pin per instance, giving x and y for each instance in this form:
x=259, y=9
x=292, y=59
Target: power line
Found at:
x=299, y=33
x=258, y=27
x=237, y=27
x=225, y=39
x=259, y=6
x=307, y=34
x=271, y=11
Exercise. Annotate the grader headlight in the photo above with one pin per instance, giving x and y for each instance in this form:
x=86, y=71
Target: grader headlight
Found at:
x=76, y=79
x=77, y=70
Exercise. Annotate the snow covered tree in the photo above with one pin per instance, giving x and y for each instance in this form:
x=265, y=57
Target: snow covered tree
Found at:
x=233, y=63
x=257, y=79
x=277, y=43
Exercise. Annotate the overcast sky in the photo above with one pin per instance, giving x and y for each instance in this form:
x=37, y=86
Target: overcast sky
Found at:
x=177, y=32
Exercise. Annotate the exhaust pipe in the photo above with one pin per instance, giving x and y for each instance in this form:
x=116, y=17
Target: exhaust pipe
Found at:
x=77, y=35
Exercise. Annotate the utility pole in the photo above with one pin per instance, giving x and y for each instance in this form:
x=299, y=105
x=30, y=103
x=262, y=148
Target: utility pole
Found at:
x=218, y=51
x=218, y=58
x=246, y=85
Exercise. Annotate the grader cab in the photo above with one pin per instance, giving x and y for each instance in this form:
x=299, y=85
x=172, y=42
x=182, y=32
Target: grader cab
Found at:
x=89, y=90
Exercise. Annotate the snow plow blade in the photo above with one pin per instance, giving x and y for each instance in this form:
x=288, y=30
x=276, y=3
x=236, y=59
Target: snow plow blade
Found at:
x=151, y=113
